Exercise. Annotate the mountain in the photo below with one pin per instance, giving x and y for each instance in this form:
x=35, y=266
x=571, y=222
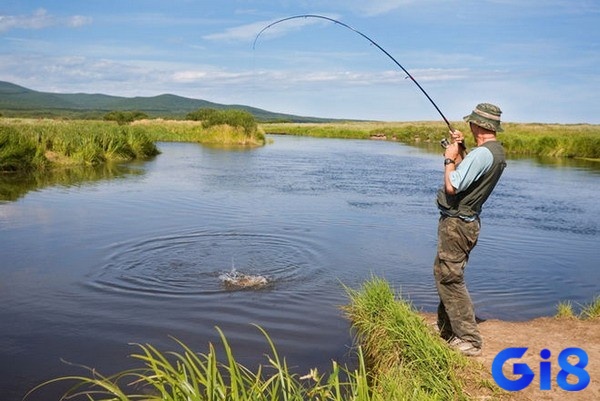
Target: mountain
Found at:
x=19, y=101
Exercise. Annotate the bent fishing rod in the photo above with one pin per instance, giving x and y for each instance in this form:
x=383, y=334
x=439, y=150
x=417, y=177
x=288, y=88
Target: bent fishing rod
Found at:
x=367, y=38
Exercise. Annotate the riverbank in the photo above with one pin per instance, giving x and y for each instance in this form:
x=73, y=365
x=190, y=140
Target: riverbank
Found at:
x=399, y=357
x=28, y=144
x=36, y=145
x=402, y=348
x=554, y=140
x=554, y=334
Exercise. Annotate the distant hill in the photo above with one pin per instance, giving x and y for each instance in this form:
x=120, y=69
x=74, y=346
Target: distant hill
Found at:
x=18, y=101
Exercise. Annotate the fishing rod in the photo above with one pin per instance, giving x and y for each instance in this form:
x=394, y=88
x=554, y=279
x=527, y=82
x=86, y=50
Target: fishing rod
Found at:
x=366, y=37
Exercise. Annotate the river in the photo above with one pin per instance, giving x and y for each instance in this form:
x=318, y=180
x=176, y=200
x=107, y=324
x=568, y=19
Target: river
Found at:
x=90, y=264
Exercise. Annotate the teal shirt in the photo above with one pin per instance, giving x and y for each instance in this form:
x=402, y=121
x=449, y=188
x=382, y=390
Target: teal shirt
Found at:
x=475, y=164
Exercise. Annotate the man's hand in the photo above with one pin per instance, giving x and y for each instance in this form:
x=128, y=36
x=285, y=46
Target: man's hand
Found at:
x=452, y=151
x=457, y=136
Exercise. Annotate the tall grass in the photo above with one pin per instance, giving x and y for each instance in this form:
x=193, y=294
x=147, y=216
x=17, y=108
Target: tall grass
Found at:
x=18, y=152
x=47, y=142
x=409, y=360
x=186, y=375
x=398, y=358
x=27, y=144
x=195, y=131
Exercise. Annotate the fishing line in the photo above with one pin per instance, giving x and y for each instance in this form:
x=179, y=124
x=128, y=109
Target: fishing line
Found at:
x=408, y=75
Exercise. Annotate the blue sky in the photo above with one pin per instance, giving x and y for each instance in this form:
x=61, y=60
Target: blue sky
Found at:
x=538, y=60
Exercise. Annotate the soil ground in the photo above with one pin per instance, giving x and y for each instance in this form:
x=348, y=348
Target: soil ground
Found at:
x=543, y=333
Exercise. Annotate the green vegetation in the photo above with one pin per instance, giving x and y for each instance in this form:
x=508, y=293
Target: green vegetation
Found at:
x=171, y=376
x=589, y=311
x=564, y=310
x=223, y=134
x=555, y=140
x=31, y=145
x=234, y=118
x=409, y=360
x=125, y=117
x=17, y=152
x=35, y=145
x=403, y=360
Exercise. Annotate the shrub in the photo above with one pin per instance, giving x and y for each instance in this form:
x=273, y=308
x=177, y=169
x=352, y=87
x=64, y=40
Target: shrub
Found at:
x=125, y=117
x=231, y=117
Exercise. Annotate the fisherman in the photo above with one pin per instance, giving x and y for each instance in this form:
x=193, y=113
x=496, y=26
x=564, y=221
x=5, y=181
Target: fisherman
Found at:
x=468, y=182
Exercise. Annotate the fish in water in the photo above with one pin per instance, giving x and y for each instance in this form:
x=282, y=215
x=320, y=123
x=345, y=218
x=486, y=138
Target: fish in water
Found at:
x=236, y=280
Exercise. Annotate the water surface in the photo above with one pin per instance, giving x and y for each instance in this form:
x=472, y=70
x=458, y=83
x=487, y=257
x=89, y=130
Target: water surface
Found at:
x=87, y=268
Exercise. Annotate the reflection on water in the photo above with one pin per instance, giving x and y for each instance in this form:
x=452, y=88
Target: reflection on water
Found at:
x=90, y=264
x=15, y=185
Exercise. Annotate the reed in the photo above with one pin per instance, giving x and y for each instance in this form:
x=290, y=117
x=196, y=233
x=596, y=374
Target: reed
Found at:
x=28, y=144
x=55, y=142
x=17, y=152
x=186, y=375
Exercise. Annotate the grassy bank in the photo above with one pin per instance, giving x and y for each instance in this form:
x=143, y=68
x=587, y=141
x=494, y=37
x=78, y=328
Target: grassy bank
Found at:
x=35, y=145
x=556, y=140
x=193, y=131
x=403, y=359
x=409, y=360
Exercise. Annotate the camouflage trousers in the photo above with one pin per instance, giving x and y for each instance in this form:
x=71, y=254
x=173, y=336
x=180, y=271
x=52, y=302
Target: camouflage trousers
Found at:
x=456, y=314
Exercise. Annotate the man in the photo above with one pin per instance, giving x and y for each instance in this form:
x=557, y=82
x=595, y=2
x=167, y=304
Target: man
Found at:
x=468, y=182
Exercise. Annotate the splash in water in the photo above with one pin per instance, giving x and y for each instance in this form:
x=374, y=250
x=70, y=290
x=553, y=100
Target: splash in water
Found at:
x=237, y=280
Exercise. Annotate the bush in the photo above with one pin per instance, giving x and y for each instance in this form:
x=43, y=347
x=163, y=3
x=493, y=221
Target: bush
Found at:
x=231, y=117
x=125, y=117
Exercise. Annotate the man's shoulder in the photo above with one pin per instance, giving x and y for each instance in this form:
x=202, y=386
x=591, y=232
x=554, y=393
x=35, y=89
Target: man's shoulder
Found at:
x=480, y=153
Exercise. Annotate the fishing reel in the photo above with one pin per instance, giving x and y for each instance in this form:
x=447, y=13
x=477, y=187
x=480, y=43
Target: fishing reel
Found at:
x=445, y=143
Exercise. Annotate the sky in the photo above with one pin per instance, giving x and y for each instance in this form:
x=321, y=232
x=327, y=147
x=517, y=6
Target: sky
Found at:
x=538, y=60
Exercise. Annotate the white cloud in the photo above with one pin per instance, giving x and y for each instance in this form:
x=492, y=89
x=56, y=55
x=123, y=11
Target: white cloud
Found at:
x=249, y=32
x=40, y=19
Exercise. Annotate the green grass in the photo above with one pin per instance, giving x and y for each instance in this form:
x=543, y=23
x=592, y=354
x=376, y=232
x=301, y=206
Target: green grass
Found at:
x=398, y=358
x=591, y=310
x=44, y=143
x=18, y=152
x=193, y=131
x=410, y=361
x=588, y=311
x=554, y=140
x=34, y=145
x=564, y=310
x=186, y=375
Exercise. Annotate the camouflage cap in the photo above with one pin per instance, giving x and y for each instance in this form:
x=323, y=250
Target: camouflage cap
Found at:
x=487, y=116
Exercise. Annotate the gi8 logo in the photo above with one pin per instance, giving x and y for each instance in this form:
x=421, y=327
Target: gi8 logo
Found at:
x=567, y=369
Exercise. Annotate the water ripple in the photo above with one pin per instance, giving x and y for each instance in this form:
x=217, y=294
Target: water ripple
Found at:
x=191, y=263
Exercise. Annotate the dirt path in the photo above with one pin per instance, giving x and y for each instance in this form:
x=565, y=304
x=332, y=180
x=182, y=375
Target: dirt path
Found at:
x=538, y=334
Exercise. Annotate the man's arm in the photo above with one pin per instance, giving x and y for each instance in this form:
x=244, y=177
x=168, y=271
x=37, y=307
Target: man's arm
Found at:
x=452, y=156
x=458, y=178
